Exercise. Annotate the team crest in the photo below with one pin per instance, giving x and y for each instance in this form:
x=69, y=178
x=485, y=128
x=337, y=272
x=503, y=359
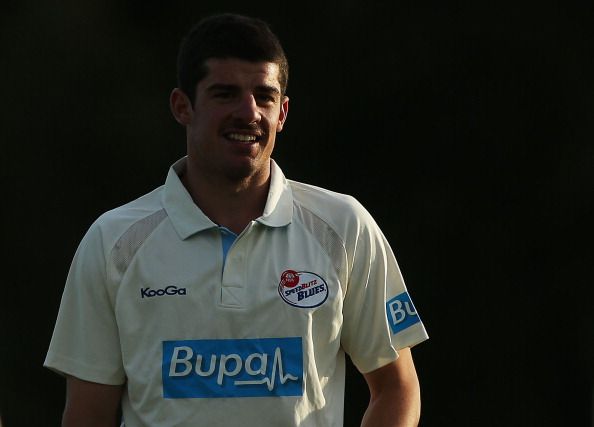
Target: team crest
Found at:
x=302, y=289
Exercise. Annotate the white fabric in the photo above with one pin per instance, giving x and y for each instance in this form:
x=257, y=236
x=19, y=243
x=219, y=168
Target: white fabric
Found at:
x=111, y=330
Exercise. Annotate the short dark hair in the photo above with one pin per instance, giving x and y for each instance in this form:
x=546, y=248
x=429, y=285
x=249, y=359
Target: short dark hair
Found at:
x=227, y=36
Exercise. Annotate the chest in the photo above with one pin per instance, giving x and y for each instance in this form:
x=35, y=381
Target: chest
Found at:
x=273, y=282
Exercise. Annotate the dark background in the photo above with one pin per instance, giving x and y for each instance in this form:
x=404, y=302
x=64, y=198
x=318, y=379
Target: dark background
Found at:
x=465, y=128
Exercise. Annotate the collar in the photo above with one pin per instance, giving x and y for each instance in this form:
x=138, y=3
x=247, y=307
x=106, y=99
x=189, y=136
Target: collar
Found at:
x=188, y=219
x=278, y=211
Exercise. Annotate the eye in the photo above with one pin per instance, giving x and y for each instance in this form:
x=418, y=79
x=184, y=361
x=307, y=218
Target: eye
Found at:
x=223, y=95
x=265, y=98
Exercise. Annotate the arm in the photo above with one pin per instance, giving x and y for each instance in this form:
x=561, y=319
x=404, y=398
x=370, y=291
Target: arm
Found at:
x=90, y=404
x=395, y=394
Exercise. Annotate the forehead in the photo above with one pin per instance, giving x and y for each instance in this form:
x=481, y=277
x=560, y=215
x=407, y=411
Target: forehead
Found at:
x=232, y=71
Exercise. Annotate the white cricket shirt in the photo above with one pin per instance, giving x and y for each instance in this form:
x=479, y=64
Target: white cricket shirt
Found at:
x=257, y=341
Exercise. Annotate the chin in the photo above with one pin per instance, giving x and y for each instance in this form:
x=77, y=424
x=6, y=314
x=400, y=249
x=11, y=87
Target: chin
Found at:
x=240, y=172
x=243, y=171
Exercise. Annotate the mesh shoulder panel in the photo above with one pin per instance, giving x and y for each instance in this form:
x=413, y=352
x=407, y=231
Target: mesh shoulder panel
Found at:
x=326, y=236
x=129, y=243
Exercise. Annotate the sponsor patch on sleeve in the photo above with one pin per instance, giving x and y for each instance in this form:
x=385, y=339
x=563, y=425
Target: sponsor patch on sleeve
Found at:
x=401, y=313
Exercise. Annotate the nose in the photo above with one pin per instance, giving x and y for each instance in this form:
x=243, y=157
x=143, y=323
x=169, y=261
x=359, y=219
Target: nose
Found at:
x=247, y=109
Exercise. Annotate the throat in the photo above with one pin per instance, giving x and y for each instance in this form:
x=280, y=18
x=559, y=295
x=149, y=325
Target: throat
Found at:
x=232, y=205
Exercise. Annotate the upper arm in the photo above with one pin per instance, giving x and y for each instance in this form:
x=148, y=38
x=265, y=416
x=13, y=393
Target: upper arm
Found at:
x=91, y=404
x=379, y=316
x=399, y=375
x=395, y=393
x=85, y=342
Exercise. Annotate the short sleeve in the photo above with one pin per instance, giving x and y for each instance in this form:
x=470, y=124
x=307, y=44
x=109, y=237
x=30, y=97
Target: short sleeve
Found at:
x=379, y=316
x=85, y=342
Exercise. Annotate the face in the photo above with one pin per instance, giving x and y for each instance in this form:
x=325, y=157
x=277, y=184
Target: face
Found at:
x=232, y=126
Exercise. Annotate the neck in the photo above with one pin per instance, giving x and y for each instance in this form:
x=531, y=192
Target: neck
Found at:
x=230, y=203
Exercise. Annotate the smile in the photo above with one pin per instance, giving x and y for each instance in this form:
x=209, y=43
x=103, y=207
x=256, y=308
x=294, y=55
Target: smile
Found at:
x=241, y=137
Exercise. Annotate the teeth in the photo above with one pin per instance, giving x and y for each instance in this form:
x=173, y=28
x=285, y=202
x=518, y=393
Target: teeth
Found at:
x=241, y=137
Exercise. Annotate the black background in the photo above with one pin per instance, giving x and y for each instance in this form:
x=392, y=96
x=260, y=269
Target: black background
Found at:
x=465, y=128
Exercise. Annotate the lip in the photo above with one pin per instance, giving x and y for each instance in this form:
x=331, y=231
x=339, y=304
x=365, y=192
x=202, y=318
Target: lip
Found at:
x=242, y=136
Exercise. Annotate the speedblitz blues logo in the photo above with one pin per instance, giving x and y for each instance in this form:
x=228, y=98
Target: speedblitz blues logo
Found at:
x=401, y=313
x=302, y=289
x=259, y=367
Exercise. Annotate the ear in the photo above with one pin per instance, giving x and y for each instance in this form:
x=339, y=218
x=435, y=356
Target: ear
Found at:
x=181, y=107
x=284, y=111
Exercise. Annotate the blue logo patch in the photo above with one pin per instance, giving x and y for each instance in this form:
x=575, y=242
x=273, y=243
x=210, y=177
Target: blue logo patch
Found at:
x=401, y=313
x=232, y=368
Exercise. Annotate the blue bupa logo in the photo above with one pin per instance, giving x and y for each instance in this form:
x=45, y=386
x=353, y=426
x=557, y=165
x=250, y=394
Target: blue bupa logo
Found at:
x=232, y=368
x=401, y=313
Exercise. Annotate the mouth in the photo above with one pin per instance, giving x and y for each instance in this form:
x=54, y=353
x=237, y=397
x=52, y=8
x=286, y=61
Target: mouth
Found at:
x=242, y=137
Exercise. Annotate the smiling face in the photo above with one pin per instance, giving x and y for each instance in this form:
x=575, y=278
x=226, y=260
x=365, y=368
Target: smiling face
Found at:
x=232, y=126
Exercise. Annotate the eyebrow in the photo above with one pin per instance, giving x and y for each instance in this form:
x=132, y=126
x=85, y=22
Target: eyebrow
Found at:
x=268, y=89
x=219, y=86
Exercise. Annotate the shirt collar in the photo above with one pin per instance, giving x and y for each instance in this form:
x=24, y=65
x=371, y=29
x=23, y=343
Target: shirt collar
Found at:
x=188, y=219
x=186, y=216
x=278, y=211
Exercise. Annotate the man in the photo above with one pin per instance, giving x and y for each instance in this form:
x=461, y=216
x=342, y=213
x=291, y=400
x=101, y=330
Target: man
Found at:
x=229, y=295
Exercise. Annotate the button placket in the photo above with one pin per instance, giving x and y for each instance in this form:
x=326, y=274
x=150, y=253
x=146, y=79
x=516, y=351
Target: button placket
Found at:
x=233, y=290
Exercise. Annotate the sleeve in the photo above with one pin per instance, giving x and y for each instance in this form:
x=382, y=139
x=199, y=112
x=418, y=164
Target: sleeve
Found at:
x=85, y=342
x=379, y=316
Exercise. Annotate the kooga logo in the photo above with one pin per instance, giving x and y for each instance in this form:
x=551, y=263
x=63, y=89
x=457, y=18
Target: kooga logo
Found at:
x=169, y=290
x=232, y=368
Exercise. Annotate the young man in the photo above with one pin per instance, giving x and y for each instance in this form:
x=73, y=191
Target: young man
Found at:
x=229, y=295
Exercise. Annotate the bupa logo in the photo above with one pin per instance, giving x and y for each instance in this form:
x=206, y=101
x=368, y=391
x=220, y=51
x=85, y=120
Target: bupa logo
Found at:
x=232, y=368
x=169, y=290
x=401, y=313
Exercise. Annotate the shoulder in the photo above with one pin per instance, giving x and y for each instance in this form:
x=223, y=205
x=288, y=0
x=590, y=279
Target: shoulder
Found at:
x=145, y=211
x=340, y=211
x=324, y=200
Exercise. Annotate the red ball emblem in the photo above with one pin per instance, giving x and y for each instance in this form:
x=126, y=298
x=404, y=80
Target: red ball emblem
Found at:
x=289, y=279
